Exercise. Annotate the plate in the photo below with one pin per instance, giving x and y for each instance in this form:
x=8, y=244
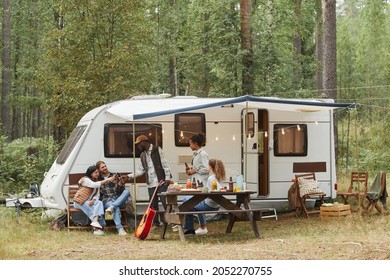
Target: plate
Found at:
x=190, y=190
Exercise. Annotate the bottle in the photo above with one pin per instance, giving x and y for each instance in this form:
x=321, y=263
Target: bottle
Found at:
x=193, y=183
x=214, y=185
x=200, y=184
x=188, y=184
x=230, y=189
x=187, y=167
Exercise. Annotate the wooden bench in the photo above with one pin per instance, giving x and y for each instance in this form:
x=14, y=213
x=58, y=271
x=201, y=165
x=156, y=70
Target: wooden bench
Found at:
x=72, y=189
x=240, y=215
x=234, y=215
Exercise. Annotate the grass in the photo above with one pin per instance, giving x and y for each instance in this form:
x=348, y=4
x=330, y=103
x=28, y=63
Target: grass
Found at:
x=355, y=237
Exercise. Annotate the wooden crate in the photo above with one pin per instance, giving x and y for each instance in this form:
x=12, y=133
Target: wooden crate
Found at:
x=331, y=212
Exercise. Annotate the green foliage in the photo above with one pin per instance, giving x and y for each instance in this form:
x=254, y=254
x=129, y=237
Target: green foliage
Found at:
x=23, y=161
x=95, y=55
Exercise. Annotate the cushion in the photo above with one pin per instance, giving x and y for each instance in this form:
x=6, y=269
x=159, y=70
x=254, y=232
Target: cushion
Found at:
x=308, y=186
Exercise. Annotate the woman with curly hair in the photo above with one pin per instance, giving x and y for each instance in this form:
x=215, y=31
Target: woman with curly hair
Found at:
x=216, y=173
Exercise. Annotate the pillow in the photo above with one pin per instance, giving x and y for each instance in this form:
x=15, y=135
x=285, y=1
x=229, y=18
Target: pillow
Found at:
x=308, y=186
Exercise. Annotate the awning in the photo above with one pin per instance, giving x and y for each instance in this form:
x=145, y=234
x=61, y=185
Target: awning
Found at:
x=136, y=109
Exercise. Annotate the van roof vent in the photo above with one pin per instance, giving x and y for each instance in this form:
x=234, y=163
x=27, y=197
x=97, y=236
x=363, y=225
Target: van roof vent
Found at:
x=154, y=96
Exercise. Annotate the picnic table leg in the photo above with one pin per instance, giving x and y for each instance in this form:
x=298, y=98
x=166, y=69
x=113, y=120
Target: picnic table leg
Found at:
x=251, y=218
x=181, y=233
x=254, y=224
x=230, y=225
x=164, y=227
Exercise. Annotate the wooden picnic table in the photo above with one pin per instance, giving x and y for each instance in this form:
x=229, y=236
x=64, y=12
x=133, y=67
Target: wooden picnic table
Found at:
x=175, y=213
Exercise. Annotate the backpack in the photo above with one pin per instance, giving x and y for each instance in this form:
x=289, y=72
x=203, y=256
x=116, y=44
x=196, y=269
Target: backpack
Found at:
x=59, y=223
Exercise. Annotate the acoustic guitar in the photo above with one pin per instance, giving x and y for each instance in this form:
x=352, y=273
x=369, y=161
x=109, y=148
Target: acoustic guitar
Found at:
x=147, y=219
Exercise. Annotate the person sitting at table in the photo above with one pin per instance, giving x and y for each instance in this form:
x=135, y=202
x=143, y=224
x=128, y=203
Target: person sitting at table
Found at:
x=216, y=173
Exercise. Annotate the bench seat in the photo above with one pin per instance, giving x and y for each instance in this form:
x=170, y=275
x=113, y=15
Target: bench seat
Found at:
x=239, y=214
x=72, y=189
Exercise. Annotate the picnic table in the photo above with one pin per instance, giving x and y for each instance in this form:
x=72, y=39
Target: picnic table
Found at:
x=239, y=211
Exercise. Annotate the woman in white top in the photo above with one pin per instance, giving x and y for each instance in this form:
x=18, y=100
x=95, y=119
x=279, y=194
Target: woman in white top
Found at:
x=93, y=206
x=217, y=173
x=200, y=160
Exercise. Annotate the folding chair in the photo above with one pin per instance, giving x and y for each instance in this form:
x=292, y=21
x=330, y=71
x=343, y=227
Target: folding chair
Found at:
x=376, y=193
x=309, y=193
x=358, y=180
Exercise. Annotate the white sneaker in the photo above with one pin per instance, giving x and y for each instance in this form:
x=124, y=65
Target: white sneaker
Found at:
x=175, y=228
x=98, y=232
x=121, y=231
x=201, y=231
x=110, y=210
x=96, y=224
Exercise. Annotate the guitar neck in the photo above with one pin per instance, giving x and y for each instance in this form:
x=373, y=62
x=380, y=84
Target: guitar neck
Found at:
x=154, y=193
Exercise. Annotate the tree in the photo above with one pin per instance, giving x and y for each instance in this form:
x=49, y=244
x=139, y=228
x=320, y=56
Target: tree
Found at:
x=297, y=45
x=330, y=54
x=246, y=47
x=319, y=47
x=6, y=72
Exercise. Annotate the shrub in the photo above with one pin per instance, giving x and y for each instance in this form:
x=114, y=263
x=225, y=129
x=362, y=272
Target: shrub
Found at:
x=23, y=161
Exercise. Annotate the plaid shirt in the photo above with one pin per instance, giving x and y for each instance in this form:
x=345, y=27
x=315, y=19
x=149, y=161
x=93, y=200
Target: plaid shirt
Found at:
x=109, y=190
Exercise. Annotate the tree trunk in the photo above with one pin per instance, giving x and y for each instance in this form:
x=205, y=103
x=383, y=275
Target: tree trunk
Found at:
x=6, y=72
x=330, y=70
x=319, y=48
x=246, y=46
x=297, y=46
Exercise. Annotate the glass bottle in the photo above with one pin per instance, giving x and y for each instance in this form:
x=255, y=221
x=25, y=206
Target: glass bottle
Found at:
x=214, y=185
x=188, y=184
x=193, y=183
x=230, y=189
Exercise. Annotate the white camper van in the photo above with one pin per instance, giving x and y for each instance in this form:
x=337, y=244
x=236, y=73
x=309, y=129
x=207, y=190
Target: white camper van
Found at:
x=266, y=140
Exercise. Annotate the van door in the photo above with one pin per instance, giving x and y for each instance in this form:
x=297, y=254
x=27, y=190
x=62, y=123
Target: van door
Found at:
x=255, y=150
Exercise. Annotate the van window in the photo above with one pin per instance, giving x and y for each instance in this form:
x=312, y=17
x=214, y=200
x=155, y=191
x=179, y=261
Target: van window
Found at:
x=290, y=140
x=186, y=125
x=250, y=125
x=70, y=143
x=118, y=138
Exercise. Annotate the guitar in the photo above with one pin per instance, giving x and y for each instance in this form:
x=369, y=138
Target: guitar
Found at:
x=147, y=219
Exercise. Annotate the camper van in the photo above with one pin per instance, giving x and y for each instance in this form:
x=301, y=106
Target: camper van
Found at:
x=263, y=140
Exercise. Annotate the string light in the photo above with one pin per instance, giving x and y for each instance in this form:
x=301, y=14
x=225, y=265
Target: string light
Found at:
x=298, y=127
x=266, y=134
x=283, y=131
x=234, y=137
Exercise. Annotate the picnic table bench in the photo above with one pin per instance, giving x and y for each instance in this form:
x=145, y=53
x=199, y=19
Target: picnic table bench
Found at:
x=174, y=213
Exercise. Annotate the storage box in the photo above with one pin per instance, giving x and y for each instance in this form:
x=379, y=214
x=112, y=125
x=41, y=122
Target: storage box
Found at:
x=331, y=212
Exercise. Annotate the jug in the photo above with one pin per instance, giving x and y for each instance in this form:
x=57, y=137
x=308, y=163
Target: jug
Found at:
x=239, y=181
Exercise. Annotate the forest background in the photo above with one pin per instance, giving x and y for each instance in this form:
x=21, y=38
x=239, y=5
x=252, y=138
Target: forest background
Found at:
x=61, y=59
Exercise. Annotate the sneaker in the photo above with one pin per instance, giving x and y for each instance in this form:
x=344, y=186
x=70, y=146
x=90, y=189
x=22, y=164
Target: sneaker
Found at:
x=121, y=231
x=190, y=232
x=110, y=210
x=98, y=232
x=175, y=228
x=201, y=231
x=96, y=224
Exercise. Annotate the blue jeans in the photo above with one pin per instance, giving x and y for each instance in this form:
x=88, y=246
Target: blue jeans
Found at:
x=96, y=209
x=156, y=221
x=117, y=203
x=202, y=206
